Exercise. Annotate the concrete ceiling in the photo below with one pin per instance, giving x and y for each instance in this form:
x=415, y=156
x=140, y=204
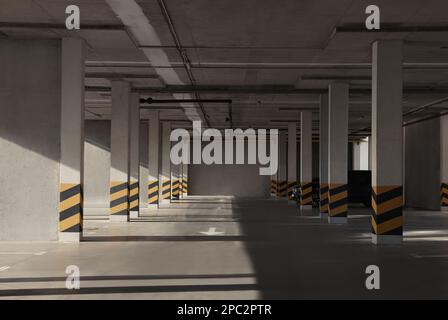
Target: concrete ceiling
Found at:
x=262, y=54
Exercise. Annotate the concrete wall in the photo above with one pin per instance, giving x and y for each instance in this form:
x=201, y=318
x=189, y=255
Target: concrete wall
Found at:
x=422, y=165
x=29, y=139
x=96, y=168
x=241, y=180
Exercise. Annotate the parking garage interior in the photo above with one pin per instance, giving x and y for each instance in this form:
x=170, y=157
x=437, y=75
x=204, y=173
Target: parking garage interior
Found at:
x=357, y=117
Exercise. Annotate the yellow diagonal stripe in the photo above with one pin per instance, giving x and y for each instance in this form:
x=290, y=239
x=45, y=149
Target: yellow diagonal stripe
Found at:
x=70, y=222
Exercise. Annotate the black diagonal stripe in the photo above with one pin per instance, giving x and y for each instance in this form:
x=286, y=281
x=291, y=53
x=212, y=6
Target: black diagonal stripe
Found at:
x=133, y=198
x=75, y=228
x=166, y=191
x=444, y=185
x=306, y=195
x=394, y=232
x=386, y=196
x=134, y=208
x=64, y=195
x=324, y=202
x=164, y=184
x=153, y=194
x=306, y=186
x=444, y=196
x=134, y=185
x=67, y=213
x=336, y=204
x=324, y=190
x=340, y=189
x=119, y=187
x=384, y=217
x=153, y=184
x=118, y=201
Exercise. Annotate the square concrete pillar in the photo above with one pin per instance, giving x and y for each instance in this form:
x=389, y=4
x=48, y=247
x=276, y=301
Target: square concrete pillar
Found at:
x=143, y=165
x=292, y=159
x=306, y=154
x=72, y=140
x=165, y=175
x=120, y=151
x=338, y=152
x=387, y=142
x=282, y=184
x=175, y=181
x=134, y=156
x=154, y=157
x=185, y=179
x=444, y=163
x=323, y=156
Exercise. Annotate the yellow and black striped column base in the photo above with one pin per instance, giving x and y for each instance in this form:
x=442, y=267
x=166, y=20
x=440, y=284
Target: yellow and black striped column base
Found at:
x=387, y=216
x=185, y=186
x=153, y=192
x=444, y=196
x=175, y=189
x=282, y=190
x=119, y=201
x=70, y=211
x=323, y=199
x=291, y=185
x=274, y=187
x=134, y=196
x=166, y=189
x=306, y=194
x=337, y=203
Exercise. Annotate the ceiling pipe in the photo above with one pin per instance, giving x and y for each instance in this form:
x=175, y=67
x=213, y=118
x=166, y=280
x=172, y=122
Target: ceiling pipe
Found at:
x=183, y=54
x=152, y=101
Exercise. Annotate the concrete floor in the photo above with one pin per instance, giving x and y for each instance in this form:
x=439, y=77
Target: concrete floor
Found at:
x=267, y=249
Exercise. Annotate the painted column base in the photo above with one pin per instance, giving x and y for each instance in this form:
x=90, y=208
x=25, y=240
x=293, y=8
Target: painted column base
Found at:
x=70, y=236
x=153, y=206
x=306, y=207
x=386, y=239
x=292, y=202
x=337, y=220
x=444, y=208
x=324, y=215
x=118, y=218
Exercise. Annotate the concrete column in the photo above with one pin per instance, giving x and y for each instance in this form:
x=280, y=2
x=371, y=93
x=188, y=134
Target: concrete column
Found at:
x=282, y=167
x=175, y=181
x=444, y=163
x=356, y=155
x=72, y=140
x=323, y=156
x=292, y=159
x=143, y=174
x=134, y=155
x=153, y=159
x=306, y=159
x=338, y=152
x=119, y=171
x=165, y=176
x=185, y=179
x=387, y=141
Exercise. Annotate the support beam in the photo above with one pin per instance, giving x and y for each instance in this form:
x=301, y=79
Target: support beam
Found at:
x=387, y=142
x=119, y=172
x=292, y=159
x=134, y=156
x=72, y=140
x=153, y=159
x=306, y=154
x=165, y=177
x=338, y=152
x=282, y=192
x=323, y=156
